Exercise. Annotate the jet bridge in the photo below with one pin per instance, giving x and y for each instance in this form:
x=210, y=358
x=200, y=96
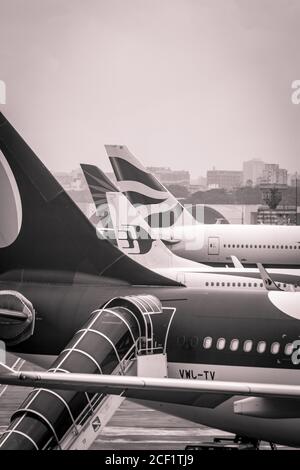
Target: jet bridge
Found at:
x=121, y=338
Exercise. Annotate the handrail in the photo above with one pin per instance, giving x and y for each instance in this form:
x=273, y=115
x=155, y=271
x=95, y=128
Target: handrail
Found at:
x=121, y=369
x=133, y=352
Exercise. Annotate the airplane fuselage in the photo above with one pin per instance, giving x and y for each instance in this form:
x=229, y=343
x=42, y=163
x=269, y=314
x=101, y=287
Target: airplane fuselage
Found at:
x=213, y=336
x=274, y=246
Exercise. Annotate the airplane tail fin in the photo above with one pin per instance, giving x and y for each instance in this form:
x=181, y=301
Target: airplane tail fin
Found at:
x=42, y=229
x=99, y=184
x=155, y=203
x=135, y=239
x=132, y=233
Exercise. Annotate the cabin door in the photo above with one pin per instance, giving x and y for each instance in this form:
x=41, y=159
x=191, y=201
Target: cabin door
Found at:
x=213, y=245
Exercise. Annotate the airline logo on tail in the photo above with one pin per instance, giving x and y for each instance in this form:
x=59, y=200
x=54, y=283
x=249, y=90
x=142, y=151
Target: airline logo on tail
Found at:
x=158, y=207
x=99, y=185
x=134, y=240
x=10, y=205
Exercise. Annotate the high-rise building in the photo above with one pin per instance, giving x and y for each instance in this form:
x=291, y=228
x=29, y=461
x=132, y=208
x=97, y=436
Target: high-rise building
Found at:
x=252, y=171
x=293, y=178
x=224, y=179
x=282, y=176
x=272, y=174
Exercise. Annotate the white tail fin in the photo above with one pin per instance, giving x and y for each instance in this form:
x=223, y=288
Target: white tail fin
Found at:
x=155, y=203
x=135, y=240
x=267, y=280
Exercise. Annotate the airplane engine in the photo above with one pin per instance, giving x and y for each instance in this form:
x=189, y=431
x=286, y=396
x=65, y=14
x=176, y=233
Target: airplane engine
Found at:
x=17, y=318
x=105, y=344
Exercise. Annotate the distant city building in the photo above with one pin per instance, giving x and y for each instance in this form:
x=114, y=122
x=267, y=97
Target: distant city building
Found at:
x=167, y=176
x=272, y=174
x=224, y=179
x=282, y=215
x=282, y=176
x=293, y=178
x=200, y=183
x=252, y=171
x=194, y=188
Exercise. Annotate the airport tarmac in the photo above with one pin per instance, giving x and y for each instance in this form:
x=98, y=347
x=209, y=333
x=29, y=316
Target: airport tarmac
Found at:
x=131, y=428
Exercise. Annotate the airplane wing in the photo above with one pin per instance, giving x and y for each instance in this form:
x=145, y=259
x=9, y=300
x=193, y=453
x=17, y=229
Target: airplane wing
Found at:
x=236, y=262
x=110, y=384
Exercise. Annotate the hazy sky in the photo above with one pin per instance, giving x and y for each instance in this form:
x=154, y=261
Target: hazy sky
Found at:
x=184, y=83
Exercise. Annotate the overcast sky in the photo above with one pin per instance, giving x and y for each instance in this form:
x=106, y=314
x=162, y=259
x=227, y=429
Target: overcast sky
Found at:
x=184, y=83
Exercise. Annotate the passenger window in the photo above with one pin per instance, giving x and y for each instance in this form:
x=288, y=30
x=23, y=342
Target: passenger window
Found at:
x=224, y=246
x=244, y=284
x=273, y=246
x=248, y=345
x=217, y=284
x=212, y=284
x=249, y=284
x=255, y=284
x=255, y=246
x=259, y=246
x=228, y=284
x=223, y=284
x=233, y=284
x=207, y=342
x=275, y=348
x=207, y=284
x=239, y=284
x=237, y=246
x=221, y=343
x=250, y=246
x=234, y=345
x=261, y=347
x=261, y=285
x=233, y=246
x=277, y=247
x=269, y=246
x=288, y=349
x=246, y=246
x=242, y=246
x=264, y=246
x=282, y=247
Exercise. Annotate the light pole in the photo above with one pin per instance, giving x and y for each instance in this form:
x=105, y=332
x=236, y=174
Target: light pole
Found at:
x=296, y=198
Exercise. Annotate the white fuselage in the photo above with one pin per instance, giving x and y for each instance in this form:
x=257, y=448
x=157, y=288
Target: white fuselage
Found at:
x=247, y=279
x=267, y=244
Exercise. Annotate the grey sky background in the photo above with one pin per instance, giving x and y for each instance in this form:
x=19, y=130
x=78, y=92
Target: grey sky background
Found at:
x=189, y=84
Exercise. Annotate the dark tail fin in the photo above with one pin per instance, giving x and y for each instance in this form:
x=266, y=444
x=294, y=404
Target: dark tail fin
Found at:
x=51, y=233
x=99, y=184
